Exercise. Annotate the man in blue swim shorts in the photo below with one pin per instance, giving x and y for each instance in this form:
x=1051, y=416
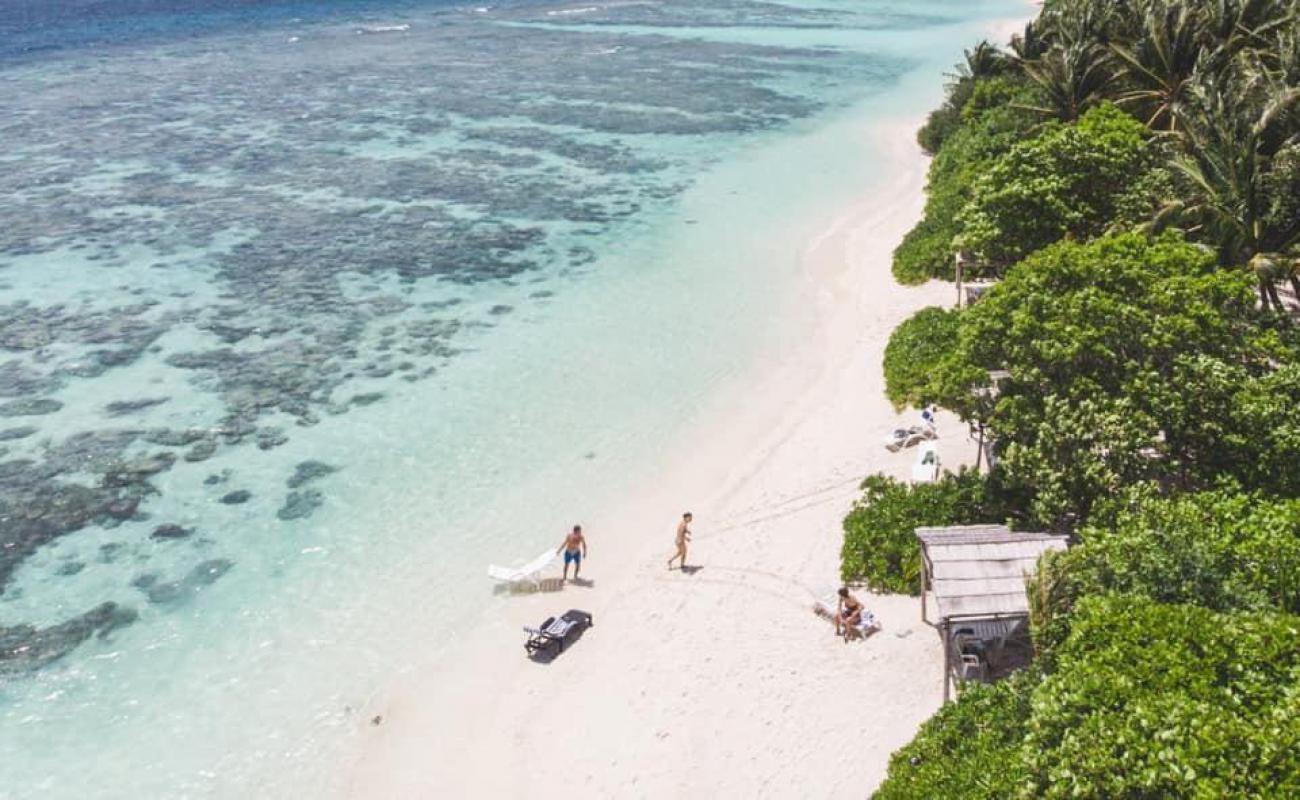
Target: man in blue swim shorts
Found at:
x=575, y=549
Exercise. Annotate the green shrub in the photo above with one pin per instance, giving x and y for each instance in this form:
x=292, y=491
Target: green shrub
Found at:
x=947, y=118
x=1168, y=701
x=1065, y=182
x=880, y=544
x=1224, y=550
x=926, y=250
x=914, y=351
x=1129, y=359
x=989, y=127
x=1146, y=700
x=970, y=749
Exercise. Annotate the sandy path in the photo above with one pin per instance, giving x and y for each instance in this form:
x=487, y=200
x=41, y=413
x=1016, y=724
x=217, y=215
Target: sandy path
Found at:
x=721, y=682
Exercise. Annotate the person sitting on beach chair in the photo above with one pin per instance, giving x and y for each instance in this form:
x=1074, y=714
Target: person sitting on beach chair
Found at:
x=839, y=608
x=849, y=616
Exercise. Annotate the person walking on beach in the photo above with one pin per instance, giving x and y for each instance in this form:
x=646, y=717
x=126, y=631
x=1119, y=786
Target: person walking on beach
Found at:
x=575, y=549
x=683, y=536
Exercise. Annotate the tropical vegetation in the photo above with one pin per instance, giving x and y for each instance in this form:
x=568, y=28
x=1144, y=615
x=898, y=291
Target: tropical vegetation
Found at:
x=1128, y=172
x=1146, y=700
x=879, y=533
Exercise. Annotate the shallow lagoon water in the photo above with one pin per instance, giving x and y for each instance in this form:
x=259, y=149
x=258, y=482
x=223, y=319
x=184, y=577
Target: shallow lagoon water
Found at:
x=483, y=266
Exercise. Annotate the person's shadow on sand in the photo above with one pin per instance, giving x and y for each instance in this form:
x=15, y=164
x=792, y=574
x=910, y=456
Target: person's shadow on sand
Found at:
x=691, y=570
x=585, y=583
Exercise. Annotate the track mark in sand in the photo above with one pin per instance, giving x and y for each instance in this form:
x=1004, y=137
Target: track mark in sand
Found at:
x=778, y=508
x=780, y=594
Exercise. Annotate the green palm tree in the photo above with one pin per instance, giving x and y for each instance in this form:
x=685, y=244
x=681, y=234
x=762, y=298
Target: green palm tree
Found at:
x=1160, y=64
x=1029, y=45
x=1073, y=78
x=1228, y=125
x=983, y=61
x=1282, y=60
x=1238, y=24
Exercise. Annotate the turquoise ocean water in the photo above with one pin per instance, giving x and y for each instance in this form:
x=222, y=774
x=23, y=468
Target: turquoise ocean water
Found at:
x=310, y=310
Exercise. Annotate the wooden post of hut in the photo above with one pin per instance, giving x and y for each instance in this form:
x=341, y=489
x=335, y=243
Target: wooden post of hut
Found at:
x=957, y=262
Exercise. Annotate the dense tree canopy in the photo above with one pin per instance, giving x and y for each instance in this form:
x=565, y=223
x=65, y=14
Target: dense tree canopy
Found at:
x=1154, y=700
x=1224, y=549
x=880, y=545
x=1145, y=700
x=915, y=351
x=969, y=749
x=1218, y=82
x=1127, y=359
x=1067, y=182
x=1142, y=392
x=988, y=125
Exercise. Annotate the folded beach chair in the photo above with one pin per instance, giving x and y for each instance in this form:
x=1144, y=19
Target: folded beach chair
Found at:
x=901, y=438
x=528, y=573
x=553, y=635
x=896, y=440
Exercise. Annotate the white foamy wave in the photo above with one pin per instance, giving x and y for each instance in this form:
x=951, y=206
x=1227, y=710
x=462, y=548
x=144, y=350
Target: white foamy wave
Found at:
x=383, y=28
x=563, y=11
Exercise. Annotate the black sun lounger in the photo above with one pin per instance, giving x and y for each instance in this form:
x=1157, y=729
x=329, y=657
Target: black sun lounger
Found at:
x=552, y=636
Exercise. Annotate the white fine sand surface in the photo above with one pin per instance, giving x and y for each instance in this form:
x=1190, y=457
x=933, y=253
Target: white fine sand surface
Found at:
x=721, y=682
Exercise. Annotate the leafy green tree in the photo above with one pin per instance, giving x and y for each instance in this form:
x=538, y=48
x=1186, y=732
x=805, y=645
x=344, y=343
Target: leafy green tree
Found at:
x=981, y=65
x=1127, y=359
x=1223, y=549
x=1168, y=701
x=969, y=749
x=1145, y=700
x=915, y=350
x=1064, y=183
x=989, y=125
x=1233, y=420
x=880, y=544
x=1082, y=451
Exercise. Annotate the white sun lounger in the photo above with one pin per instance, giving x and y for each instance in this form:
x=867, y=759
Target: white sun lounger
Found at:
x=828, y=608
x=528, y=573
x=926, y=468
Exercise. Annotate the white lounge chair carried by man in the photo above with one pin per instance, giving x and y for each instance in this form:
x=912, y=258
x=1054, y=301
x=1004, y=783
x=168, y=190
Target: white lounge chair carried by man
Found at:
x=528, y=573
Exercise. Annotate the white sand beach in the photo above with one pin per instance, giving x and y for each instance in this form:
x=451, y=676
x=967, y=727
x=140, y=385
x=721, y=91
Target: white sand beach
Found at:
x=721, y=682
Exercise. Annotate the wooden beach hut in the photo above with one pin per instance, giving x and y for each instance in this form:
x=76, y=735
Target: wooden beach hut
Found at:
x=970, y=291
x=973, y=591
